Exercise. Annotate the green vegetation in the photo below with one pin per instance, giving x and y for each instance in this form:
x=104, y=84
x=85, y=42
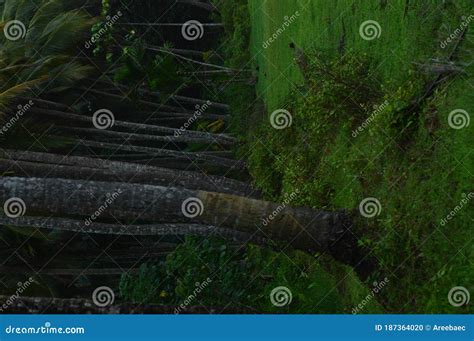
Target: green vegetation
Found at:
x=414, y=164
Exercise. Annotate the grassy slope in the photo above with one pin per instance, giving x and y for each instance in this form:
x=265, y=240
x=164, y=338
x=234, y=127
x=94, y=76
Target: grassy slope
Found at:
x=417, y=186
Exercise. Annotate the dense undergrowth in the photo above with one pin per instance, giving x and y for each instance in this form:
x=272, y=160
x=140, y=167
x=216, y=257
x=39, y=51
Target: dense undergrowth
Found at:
x=352, y=136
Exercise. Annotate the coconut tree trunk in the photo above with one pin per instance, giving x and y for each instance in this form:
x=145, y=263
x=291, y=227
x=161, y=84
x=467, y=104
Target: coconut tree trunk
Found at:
x=47, y=305
x=196, y=3
x=205, y=160
x=301, y=228
x=132, y=137
x=63, y=224
x=210, y=138
x=76, y=167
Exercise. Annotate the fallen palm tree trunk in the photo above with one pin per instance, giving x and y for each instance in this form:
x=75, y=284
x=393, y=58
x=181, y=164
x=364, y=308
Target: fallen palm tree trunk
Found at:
x=302, y=228
x=77, y=167
x=46, y=305
x=62, y=224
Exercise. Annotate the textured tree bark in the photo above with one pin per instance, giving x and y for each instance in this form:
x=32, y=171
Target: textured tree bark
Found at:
x=138, y=137
x=301, y=228
x=210, y=138
x=204, y=5
x=191, y=157
x=46, y=305
x=76, y=167
x=62, y=224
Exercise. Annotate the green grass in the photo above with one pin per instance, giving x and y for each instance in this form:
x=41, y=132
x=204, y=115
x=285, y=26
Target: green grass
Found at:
x=416, y=166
